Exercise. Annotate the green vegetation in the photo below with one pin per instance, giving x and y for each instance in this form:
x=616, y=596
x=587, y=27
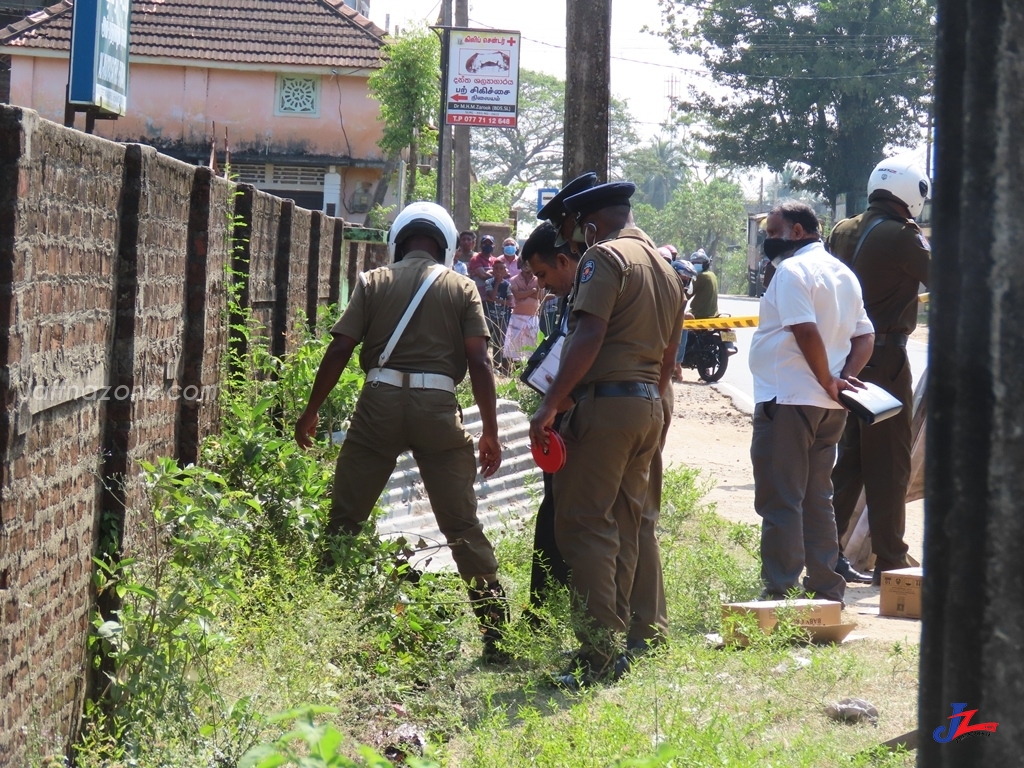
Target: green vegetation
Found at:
x=531, y=153
x=236, y=609
x=488, y=202
x=408, y=89
x=830, y=85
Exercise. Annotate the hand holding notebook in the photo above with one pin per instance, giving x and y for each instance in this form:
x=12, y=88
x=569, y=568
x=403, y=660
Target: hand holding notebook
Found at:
x=871, y=404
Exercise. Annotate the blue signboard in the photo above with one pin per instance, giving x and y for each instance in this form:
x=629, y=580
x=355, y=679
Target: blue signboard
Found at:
x=98, y=74
x=544, y=195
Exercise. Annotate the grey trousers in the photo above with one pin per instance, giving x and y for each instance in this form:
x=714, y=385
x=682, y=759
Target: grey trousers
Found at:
x=793, y=451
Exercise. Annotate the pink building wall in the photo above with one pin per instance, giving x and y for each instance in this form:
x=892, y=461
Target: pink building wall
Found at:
x=174, y=105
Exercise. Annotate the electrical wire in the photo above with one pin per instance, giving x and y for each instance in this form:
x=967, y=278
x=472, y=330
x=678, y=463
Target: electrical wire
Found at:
x=707, y=76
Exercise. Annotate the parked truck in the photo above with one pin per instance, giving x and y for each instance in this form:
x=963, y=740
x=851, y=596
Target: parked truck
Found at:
x=755, y=253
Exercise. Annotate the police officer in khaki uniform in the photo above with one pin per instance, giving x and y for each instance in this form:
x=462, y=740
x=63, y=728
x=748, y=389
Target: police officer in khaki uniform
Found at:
x=540, y=251
x=408, y=401
x=617, y=365
x=890, y=255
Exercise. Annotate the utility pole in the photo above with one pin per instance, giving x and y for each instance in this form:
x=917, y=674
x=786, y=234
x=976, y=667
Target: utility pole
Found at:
x=444, y=143
x=460, y=184
x=588, y=28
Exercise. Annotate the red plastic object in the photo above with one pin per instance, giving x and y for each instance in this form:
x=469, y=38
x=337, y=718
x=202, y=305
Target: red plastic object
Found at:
x=553, y=459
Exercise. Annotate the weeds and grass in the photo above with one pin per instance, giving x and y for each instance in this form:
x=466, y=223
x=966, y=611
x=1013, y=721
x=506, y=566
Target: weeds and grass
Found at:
x=230, y=616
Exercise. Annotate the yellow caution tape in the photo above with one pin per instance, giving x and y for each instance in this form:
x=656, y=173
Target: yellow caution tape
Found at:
x=718, y=323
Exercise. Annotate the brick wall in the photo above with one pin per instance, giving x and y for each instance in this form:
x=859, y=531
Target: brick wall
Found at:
x=112, y=306
x=59, y=222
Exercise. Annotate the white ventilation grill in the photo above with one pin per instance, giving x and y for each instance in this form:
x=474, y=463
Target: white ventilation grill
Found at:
x=298, y=96
x=249, y=173
x=288, y=177
x=297, y=177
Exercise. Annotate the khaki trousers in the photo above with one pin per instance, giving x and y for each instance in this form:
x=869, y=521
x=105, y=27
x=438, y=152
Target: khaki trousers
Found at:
x=389, y=420
x=875, y=458
x=649, y=615
x=599, y=504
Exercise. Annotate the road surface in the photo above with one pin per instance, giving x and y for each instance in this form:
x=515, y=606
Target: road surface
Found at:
x=738, y=383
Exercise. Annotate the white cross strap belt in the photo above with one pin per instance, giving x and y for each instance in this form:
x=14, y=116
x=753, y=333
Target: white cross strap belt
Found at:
x=382, y=375
x=416, y=380
x=432, y=274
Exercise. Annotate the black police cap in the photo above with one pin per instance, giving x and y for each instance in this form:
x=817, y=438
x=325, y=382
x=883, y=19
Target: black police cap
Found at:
x=554, y=211
x=601, y=196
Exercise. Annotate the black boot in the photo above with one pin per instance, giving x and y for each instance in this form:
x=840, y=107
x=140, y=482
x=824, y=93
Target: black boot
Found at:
x=491, y=608
x=852, y=576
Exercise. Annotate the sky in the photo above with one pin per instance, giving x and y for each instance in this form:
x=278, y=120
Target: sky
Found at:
x=643, y=68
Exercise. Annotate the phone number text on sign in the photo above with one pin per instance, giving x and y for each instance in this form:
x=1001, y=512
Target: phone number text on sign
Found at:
x=505, y=122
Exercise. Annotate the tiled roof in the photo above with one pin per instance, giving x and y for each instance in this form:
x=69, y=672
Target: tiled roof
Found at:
x=315, y=33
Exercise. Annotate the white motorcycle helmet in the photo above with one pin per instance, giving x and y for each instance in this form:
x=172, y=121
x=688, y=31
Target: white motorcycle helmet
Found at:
x=902, y=179
x=424, y=219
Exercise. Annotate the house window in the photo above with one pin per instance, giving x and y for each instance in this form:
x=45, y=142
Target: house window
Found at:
x=298, y=96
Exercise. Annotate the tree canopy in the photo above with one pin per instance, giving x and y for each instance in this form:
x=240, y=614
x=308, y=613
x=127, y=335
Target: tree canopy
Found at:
x=658, y=168
x=828, y=84
x=408, y=89
x=531, y=152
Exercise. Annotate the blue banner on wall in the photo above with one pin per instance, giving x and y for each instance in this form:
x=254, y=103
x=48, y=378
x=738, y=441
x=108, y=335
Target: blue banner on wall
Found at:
x=98, y=73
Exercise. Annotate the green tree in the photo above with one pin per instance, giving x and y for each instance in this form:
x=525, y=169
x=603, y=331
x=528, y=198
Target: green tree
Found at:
x=408, y=88
x=658, y=168
x=703, y=214
x=487, y=201
x=531, y=153
x=829, y=84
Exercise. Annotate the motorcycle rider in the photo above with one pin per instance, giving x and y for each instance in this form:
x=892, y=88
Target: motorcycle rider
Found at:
x=705, y=287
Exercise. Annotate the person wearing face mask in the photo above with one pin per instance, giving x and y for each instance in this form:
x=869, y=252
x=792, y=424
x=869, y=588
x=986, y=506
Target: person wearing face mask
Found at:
x=554, y=261
x=813, y=338
x=687, y=275
x=615, y=376
x=510, y=255
x=890, y=256
x=569, y=233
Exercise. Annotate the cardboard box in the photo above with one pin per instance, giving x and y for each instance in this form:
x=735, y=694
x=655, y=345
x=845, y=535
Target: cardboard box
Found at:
x=901, y=593
x=822, y=618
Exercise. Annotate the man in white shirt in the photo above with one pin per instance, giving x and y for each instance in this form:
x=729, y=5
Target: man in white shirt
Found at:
x=813, y=338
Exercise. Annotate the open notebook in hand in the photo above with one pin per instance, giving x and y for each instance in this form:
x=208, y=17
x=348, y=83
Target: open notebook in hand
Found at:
x=543, y=364
x=872, y=404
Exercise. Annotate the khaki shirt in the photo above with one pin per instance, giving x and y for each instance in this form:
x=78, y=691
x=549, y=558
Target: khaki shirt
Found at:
x=434, y=340
x=892, y=264
x=641, y=298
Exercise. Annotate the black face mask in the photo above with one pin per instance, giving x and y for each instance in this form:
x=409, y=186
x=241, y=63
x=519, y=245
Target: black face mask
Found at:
x=487, y=248
x=778, y=247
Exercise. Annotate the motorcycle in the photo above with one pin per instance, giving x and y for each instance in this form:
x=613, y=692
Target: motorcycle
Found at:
x=708, y=351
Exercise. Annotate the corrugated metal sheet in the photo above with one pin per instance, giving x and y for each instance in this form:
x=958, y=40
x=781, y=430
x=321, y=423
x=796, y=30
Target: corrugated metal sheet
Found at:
x=512, y=493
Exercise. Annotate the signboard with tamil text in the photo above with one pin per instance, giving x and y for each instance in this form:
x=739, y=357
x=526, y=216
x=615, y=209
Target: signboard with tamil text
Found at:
x=482, y=84
x=98, y=74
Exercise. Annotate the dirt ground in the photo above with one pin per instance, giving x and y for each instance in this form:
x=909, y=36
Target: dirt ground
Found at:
x=710, y=433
